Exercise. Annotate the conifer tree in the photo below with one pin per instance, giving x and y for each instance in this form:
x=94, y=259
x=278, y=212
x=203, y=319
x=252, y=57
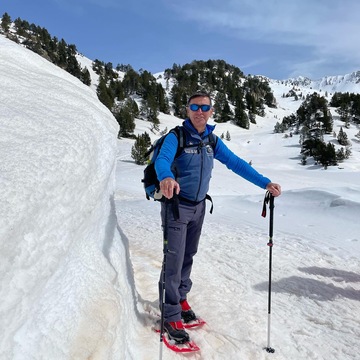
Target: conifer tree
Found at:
x=125, y=115
x=326, y=154
x=85, y=76
x=278, y=128
x=241, y=118
x=226, y=113
x=342, y=137
x=139, y=148
x=61, y=54
x=21, y=27
x=220, y=101
x=72, y=65
x=6, y=22
x=103, y=94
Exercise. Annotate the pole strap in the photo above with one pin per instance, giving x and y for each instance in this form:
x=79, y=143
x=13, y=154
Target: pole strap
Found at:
x=269, y=199
x=175, y=206
x=266, y=201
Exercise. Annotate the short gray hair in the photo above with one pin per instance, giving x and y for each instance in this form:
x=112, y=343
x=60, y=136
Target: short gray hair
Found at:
x=199, y=94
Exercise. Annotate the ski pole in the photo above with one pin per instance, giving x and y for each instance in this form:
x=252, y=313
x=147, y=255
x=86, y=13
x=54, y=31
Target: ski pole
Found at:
x=269, y=199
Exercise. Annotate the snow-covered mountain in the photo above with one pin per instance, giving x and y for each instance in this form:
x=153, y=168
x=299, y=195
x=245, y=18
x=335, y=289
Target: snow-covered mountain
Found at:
x=331, y=84
x=81, y=247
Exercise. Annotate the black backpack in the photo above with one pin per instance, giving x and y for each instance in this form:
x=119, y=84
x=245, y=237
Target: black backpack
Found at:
x=150, y=180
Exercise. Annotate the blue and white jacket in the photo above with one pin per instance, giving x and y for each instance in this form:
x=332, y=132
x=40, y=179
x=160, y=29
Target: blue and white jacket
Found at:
x=192, y=168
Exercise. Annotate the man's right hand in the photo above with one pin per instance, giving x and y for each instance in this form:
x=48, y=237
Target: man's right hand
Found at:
x=167, y=187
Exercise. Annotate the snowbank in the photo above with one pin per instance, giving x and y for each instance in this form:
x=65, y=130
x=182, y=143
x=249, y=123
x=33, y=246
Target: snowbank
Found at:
x=59, y=292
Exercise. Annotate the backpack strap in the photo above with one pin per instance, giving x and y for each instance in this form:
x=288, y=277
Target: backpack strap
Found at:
x=179, y=132
x=213, y=140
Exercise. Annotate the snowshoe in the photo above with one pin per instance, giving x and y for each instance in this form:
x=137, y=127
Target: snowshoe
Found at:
x=176, y=332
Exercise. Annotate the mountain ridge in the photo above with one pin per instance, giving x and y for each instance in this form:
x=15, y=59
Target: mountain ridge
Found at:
x=331, y=83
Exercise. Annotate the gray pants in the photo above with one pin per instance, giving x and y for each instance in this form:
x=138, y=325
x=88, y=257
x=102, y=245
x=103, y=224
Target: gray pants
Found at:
x=183, y=240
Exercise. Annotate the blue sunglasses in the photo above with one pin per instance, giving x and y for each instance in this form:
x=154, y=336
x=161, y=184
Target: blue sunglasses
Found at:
x=196, y=107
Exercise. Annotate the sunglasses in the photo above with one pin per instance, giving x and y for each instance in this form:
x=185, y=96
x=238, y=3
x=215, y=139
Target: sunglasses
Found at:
x=196, y=107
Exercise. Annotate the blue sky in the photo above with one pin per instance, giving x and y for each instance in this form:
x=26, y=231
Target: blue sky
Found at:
x=275, y=38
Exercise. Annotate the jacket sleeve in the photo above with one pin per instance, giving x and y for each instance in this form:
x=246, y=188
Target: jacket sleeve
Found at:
x=166, y=157
x=238, y=165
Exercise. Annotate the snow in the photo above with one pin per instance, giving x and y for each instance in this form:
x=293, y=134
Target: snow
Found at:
x=81, y=247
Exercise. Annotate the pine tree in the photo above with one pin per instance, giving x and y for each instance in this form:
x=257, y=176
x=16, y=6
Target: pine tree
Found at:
x=323, y=153
x=342, y=137
x=139, y=148
x=226, y=113
x=125, y=115
x=131, y=82
x=6, y=22
x=278, y=128
x=250, y=102
x=72, y=65
x=21, y=27
x=85, y=76
x=220, y=100
x=270, y=100
x=241, y=118
x=103, y=94
x=149, y=109
x=62, y=54
x=340, y=154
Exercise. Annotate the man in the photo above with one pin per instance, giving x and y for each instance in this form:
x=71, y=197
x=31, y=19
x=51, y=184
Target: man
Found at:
x=188, y=176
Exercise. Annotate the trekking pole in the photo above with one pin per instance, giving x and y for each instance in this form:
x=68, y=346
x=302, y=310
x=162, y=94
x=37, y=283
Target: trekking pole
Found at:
x=173, y=206
x=269, y=199
x=165, y=249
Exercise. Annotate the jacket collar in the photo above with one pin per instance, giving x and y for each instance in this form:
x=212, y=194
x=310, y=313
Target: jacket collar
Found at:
x=189, y=126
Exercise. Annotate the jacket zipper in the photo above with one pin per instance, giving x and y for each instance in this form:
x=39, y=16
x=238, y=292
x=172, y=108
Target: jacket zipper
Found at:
x=201, y=146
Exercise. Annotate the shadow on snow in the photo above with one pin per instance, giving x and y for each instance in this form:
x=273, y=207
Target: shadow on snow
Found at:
x=316, y=289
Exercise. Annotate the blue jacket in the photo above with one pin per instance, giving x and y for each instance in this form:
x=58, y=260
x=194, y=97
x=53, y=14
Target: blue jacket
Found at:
x=193, y=167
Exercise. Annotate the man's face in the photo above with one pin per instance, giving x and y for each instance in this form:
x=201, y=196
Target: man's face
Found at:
x=199, y=117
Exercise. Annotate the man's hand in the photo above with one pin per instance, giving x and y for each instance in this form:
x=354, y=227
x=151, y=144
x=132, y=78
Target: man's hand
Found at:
x=167, y=187
x=275, y=189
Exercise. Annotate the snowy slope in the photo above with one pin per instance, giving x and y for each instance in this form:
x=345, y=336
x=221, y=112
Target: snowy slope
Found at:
x=81, y=248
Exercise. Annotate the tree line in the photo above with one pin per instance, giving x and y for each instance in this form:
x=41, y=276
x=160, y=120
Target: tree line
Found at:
x=140, y=94
x=131, y=94
x=38, y=40
x=313, y=120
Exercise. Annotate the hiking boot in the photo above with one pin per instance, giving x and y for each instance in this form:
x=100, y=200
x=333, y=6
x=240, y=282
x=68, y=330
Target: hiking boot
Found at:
x=187, y=314
x=176, y=331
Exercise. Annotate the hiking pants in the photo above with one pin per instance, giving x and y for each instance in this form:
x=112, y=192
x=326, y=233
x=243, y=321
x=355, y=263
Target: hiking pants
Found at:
x=183, y=240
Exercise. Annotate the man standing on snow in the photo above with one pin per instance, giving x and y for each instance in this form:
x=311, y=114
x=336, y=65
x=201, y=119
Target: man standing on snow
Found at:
x=188, y=176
